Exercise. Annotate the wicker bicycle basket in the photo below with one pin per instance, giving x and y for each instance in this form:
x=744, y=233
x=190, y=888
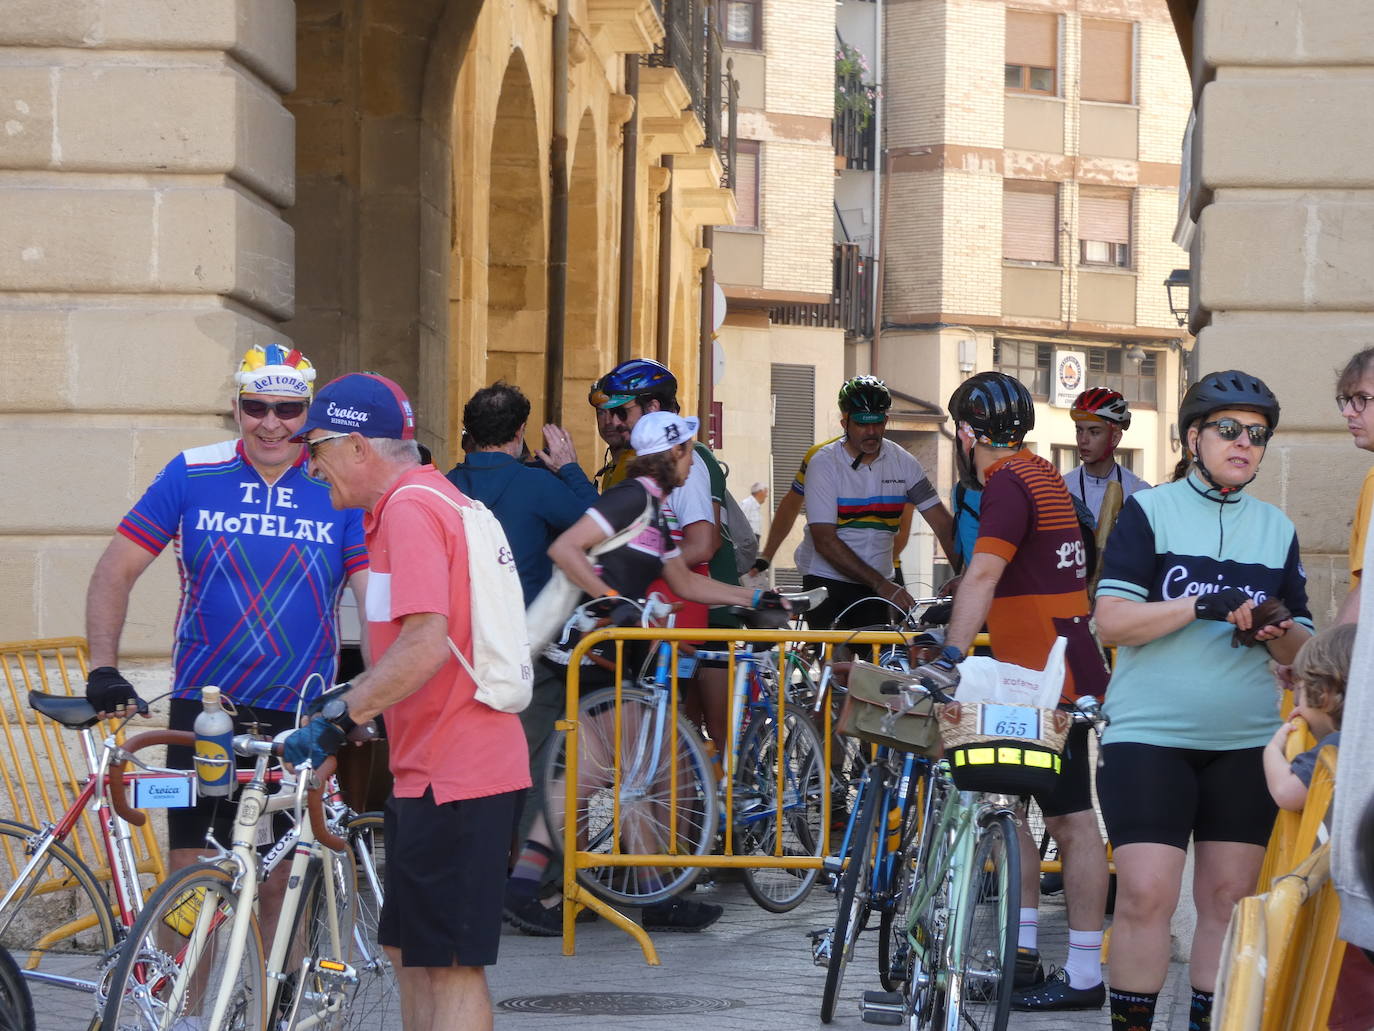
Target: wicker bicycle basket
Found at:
x=1008, y=749
x=870, y=715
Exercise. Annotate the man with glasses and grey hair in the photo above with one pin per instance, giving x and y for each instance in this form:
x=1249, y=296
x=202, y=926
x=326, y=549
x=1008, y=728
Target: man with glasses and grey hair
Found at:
x=263, y=558
x=1354, y=391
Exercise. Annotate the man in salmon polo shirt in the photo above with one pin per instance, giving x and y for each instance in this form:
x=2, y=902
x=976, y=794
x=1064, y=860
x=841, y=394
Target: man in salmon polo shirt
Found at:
x=460, y=767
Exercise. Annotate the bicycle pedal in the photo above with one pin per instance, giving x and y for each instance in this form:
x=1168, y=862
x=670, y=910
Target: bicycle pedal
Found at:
x=335, y=970
x=820, y=945
x=886, y=1008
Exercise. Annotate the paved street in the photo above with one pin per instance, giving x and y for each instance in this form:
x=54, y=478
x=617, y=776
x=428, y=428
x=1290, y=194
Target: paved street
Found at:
x=752, y=971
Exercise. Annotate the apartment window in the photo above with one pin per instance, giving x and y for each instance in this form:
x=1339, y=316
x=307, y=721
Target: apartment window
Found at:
x=741, y=24
x=1108, y=61
x=1027, y=361
x=747, y=184
x=1030, y=221
x=1104, y=227
x=1032, y=54
x=1138, y=382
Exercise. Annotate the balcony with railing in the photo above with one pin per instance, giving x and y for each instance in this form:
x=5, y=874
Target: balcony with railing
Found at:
x=851, y=298
x=853, y=131
x=692, y=46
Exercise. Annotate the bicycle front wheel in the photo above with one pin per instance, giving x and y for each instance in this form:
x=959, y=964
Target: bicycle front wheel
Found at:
x=180, y=960
x=59, y=919
x=314, y=990
x=854, y=887
x=645, y=787
x=761, y=815
x=376, y=1000
x=893, y=953
x=16, y=1005
x=985, y=939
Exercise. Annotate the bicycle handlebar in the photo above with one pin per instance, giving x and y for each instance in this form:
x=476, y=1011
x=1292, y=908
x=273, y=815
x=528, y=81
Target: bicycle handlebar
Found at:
x=148, y=738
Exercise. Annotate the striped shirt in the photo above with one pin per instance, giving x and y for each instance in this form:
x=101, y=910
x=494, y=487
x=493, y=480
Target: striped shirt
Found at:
x=1027, y=518
x=864, y=504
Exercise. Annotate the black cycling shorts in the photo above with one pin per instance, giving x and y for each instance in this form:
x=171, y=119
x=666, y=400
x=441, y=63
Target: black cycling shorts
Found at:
x=840, y=595
x=1162, y=795
x=446, y=877
x=1074, y=792
x=186, y=827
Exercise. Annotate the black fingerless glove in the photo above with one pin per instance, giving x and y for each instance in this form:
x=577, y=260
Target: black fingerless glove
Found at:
x=770, y=601
x=1219, y=604
x=108, y=691
x=761, y=565
x=619, y=611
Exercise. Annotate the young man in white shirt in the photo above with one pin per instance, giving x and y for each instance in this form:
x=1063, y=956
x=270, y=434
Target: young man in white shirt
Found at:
x=1101, y=416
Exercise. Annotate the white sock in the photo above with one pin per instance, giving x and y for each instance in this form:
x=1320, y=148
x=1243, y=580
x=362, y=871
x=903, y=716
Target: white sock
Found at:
x=1084, y=967
x=1029, y=935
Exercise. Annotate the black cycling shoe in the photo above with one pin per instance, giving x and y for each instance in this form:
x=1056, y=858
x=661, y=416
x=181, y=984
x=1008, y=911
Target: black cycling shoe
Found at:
x=1055, y=993
x=1028, y=969
x=530, y=916
x=679, y=914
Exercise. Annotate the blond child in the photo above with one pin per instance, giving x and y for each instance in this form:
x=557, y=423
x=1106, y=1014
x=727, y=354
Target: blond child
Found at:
x=1318, y=675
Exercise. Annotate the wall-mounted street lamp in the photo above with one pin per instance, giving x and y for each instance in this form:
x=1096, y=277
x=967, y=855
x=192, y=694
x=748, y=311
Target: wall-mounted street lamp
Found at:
x=1136, y=354
x=1180, y=279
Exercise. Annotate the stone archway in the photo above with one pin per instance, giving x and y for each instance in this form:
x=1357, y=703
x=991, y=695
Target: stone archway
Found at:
x=517, y=240
x=587, y=317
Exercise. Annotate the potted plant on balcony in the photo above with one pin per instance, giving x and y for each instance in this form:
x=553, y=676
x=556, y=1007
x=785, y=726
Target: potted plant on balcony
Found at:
x=855, y=98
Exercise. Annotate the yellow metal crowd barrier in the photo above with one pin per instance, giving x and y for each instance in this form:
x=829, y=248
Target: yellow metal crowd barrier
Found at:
x=44, y=767
x=576, y=897
x=1282, y=957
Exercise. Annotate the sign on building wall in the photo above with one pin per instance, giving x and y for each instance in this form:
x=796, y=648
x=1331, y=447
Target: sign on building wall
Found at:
x=1070, y=368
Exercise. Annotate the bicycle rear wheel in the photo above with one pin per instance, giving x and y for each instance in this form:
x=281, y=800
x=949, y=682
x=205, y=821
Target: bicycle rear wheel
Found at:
x=665, y=802
x=16, y=1006
x=759, y=814
x=376, y=1001
x=59, y=920
x=985, y=939
x=178, y=959
x=854, y=888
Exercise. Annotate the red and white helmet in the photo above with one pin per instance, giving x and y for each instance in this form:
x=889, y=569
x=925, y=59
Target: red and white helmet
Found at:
x=1104, y=404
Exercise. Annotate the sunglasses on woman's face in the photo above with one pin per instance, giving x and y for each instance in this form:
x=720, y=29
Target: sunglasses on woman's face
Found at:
x=1231, y=429
x=286, y=410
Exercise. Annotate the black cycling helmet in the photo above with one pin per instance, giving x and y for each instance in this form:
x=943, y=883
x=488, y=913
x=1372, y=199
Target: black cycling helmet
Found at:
x=998, y=407
x=1229, y=389
x=630, y=380
x=866, y=397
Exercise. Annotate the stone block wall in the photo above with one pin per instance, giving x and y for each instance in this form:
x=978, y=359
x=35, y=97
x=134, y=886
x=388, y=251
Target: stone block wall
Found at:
x=145, y=164
x=1285, y=205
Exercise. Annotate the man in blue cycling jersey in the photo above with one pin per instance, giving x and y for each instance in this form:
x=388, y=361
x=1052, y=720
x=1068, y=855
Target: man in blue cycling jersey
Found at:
x=263, y=558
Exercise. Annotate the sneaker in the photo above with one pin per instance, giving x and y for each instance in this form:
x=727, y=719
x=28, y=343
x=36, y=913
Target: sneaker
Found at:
x=1028, y=969
x=530, y=916
x=679, y=914
x=1055, y=993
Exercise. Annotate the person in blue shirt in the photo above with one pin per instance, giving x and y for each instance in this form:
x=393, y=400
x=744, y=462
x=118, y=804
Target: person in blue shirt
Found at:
x=534, y=504
x=263, y=556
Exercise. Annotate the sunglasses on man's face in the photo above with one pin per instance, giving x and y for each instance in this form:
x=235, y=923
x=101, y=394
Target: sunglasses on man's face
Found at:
x=622, y=414
x=285, y=410
x=1231, y=429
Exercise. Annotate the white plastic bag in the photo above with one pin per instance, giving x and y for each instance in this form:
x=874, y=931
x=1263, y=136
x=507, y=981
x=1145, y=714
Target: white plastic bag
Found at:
x=984, y=679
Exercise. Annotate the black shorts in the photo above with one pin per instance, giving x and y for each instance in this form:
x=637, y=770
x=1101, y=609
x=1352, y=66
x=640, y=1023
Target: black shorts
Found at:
x=1152, y=793
x=1074, y=792
x=186, y=827
x=445, y=878
x=840, y=595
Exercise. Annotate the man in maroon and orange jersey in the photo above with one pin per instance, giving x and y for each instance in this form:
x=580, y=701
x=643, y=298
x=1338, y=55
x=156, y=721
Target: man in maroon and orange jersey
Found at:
x=1027, y=579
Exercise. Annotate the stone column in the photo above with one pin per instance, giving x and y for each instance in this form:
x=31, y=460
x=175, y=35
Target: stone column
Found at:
x=1284, y=162
x=145, y=159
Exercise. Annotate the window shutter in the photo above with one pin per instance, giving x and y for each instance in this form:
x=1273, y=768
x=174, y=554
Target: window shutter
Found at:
x=1029, y=222
x=747, y=185
x=1032, y=39
x=794, y=431
x=1104, y=217
x=1108, y=59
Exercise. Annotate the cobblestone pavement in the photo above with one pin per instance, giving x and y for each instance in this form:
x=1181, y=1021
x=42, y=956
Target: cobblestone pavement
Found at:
x=752, y=971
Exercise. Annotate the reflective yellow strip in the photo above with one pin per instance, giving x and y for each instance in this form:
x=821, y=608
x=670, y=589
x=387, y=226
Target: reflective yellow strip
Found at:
x=1044, y=760
x=1009, y=756
x=982, y=756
